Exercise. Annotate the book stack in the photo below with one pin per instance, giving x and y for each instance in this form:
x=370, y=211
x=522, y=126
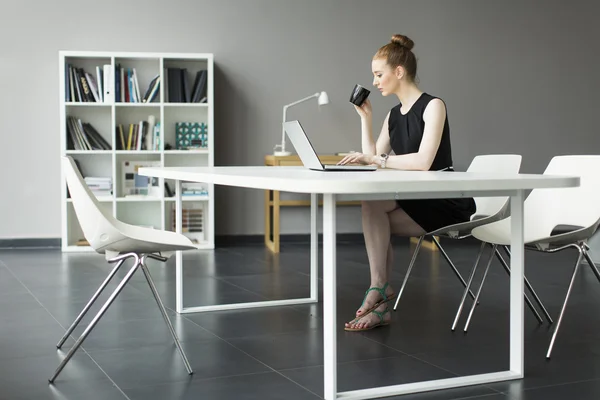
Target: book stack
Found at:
x=127, y=88
x=81, y=86
x=83, y=136
x=100, y=186
x=177, y=89
x=192, y=220
x=193, y=189
x=143, y=135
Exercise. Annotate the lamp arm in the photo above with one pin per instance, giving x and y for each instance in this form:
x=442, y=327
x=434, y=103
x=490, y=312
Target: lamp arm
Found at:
x=302, y=100
x=285, y=113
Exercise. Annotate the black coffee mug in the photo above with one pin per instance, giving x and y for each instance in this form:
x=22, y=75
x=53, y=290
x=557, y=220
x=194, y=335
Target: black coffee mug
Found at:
x=359, y=95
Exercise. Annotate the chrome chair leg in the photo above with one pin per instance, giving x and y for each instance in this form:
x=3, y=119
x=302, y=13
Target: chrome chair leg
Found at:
x=91, y=301
x=591, y=264
x=529, y=303
x=458, y=275
x=164, y=312
x=562, y=311
x=99, y=315
x=533, y=293
x=487, y=268
x=410, y=266
x=466, y=291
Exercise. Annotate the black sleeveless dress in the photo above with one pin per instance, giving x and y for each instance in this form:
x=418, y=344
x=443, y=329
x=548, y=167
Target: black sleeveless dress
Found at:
x=406, y=133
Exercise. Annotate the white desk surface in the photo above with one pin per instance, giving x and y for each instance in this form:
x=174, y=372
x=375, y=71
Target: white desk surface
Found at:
x=302, y=180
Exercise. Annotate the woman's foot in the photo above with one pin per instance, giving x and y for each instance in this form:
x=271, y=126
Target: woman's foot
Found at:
x=373, y=296
x=380, y=316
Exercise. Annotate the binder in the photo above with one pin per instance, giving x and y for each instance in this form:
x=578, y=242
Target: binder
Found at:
x=109, y=84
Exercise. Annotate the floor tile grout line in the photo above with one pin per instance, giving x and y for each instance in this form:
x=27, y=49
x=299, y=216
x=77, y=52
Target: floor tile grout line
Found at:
x=198, y=381
x=265, y=298
x=256, y=359
x=556, y=385
x=339, y=363
x=53, y=317
x=433, y=365
x=243, y=288
x=478, y=396
x=412, y=356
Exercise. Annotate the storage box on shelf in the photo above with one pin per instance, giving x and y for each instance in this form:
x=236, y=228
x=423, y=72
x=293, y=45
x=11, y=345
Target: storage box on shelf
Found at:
x=122, y=110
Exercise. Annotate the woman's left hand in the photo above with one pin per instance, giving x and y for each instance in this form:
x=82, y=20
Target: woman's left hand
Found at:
x=357, y=158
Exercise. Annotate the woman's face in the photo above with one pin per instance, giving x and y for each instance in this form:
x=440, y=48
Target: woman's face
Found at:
x=384, y=77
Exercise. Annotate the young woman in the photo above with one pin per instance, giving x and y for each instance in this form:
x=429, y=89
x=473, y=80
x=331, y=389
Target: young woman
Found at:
x=417, y=131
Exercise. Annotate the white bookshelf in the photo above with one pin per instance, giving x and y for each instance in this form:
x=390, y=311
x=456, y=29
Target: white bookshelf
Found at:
x=155, y=211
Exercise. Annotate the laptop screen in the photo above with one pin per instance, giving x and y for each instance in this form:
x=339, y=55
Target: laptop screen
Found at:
x=302, y=144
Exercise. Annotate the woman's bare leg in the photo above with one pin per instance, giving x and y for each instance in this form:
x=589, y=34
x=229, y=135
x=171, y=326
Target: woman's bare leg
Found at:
x=380, y=219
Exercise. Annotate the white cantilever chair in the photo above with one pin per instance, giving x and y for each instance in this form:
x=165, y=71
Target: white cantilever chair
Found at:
x=546, y=209
x=118, y=241
x=488, y=209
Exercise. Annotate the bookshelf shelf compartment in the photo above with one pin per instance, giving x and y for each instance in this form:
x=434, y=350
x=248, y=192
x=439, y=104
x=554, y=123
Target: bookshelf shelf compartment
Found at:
x=137, y=199
x=97, y=152
x=101, y=199
x=152, y=104
x=137, y=152
x=189, y=198
x=90, y=104
x=117, y=163
x=175, y=105
x=186, y=152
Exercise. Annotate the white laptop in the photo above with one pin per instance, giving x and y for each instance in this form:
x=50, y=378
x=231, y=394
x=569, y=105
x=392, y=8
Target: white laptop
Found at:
x=308, y=155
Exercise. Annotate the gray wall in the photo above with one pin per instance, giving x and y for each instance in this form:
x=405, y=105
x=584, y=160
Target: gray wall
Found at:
x=517, y=76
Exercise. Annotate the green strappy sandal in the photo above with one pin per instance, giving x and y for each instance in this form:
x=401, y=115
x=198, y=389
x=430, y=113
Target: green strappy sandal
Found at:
x=380, y=323
x=384, y=299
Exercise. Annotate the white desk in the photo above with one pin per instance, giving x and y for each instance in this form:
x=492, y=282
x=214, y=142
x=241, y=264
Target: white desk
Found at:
x=382, y=184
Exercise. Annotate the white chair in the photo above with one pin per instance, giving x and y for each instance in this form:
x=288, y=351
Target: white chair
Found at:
x=545, y=210
x=488, y=209
x=118, y=241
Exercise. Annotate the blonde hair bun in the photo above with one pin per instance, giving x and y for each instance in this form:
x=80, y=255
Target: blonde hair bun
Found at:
x=403, y=41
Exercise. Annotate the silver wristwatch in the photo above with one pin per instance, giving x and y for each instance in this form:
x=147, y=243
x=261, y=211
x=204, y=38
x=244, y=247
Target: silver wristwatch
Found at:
x=383, y=158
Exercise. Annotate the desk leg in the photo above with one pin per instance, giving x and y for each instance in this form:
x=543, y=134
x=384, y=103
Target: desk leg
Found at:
x=276, y=221
x=268, y=221
x=516, y=284
x=178, y=254
x=272, y=221
x=255, y=304
x=314, y=247
x=329, y=297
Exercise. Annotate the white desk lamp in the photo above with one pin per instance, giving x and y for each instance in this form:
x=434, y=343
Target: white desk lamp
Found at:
x=322, y=100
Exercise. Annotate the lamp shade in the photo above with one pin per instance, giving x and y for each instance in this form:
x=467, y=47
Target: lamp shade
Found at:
x=323, y=99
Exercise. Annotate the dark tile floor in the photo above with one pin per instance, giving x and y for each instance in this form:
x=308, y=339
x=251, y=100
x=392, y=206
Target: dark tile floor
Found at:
x=277, y=353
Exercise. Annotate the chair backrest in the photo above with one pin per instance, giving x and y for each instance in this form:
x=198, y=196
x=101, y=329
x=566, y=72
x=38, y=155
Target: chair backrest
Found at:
x=493, y=163
x=99, y=227
x=545, y=209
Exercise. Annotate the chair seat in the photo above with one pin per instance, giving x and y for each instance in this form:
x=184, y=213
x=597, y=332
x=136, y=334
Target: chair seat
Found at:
x=465, y=228
x=499, y=233
x=146, y=240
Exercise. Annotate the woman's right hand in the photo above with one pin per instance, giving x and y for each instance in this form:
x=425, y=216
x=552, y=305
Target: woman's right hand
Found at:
x=365, y=110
